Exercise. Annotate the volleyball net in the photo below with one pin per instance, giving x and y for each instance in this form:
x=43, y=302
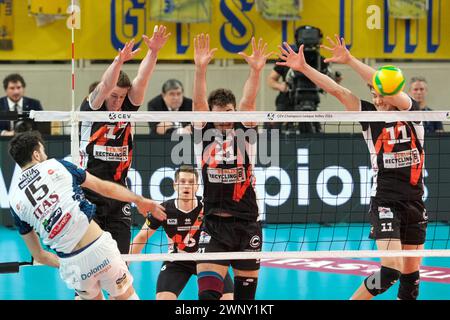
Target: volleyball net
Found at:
x=313, y=189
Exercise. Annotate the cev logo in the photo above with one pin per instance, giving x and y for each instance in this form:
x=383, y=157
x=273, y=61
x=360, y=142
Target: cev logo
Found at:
x=237, y=32
x=128, y=21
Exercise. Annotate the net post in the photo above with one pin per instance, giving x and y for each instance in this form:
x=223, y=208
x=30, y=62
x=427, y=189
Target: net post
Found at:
x=74, y=138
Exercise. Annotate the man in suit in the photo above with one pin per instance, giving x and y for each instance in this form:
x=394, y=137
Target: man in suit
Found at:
x=171, y=99
x=14, y=86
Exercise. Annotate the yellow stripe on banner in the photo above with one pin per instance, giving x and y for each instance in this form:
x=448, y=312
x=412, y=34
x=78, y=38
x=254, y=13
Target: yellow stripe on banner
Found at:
x=109, y=24
x=6, y=25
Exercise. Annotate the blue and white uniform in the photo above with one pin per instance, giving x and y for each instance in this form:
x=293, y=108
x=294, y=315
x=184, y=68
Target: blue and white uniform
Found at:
x=48, y=198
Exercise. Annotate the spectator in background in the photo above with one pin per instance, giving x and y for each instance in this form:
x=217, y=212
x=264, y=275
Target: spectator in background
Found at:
x=14, y=86
x=171, y=99
x=418, y=90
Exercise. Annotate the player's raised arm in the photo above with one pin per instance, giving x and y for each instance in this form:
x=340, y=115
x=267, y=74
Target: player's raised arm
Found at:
x=340, y=54
x=140, y=83
x=118, y=192
x=256, y=61
x=202, y=57
x=296, y=61
x=111, y=75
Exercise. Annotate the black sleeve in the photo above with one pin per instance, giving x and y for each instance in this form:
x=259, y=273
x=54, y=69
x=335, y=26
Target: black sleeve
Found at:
x=281, y=70
x=415, y=106
x=85, y=105
x=128, y=106
x=152, y=222
x=366, y=106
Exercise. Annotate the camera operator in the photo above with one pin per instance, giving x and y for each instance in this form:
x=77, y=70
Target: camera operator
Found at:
x=298, y=93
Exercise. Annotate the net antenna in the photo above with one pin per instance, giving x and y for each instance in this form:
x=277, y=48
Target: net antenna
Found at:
x=73, y=22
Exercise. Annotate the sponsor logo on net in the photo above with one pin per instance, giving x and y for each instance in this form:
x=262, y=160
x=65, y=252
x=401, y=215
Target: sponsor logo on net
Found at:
x=297, y=116
x=119, y=116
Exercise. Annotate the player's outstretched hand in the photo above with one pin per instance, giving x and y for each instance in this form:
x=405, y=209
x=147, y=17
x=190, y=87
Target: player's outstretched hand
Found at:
x=145, y=206
x=259, y=56
x=127, y=53
x=158, y=39
x=202, y=54
x=339, y=50
x=295, y=61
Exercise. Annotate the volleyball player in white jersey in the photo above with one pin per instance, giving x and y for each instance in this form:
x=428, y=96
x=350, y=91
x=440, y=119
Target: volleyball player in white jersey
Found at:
x=48, y=202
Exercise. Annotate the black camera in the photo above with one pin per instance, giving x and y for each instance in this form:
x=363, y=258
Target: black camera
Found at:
x=303, y=93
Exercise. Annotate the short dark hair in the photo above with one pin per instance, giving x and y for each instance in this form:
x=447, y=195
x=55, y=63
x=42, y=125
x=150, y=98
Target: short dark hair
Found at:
x=22, y=146
x=186, y=168
x=417, y=79
x=221, y=97
x=123, y=81
x=13, y=77
x=172, y=84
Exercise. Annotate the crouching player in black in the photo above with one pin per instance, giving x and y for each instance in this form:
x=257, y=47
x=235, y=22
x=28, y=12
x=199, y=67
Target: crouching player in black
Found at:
x=184, y=219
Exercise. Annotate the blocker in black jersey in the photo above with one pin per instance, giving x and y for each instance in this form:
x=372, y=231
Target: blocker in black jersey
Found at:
x=227, y=169
x=182, y=228
x=397, y=156
x=396, y=149
x=106, y=151
x=183, y=232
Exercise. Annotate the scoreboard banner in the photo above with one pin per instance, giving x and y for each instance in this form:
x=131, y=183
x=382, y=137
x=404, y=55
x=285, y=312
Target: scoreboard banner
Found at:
x=366, y=25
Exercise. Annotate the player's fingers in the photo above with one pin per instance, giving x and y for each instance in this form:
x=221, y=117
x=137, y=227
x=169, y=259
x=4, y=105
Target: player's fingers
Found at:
x=282, y=57
x=271, y=53
x=264, y=48
x=283, y=51
x=243, y=55
x=279, y=63
x=136, y=51
x=331, y=41
x=326, y=48
x=260, y=44
x=338, y=40
x=288, y=47
x=212, y=52
x=343, y=42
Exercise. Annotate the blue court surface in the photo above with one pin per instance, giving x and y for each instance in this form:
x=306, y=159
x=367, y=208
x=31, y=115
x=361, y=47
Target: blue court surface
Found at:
x=300, y=279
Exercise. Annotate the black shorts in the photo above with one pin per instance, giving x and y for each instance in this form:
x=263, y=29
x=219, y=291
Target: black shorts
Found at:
x=174, y=276
x=120, y=231
x=403, y=220
x=231, y=234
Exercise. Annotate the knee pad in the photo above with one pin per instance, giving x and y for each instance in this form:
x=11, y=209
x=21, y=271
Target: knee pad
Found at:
x=409, y=286
x=210, y=285
x=382, y=280
x=245, y=288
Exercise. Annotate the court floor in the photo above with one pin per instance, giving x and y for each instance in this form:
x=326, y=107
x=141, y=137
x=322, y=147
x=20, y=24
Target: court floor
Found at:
x=293, y=279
